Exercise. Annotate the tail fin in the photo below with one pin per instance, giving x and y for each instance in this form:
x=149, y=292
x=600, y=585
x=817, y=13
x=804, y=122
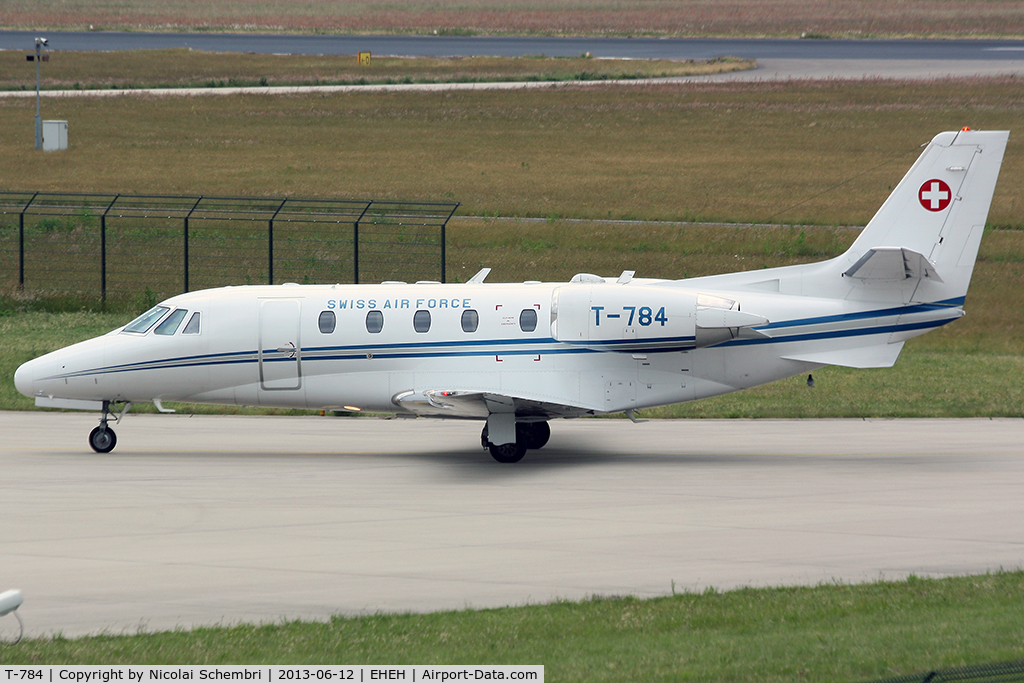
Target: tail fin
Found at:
x=922, y=243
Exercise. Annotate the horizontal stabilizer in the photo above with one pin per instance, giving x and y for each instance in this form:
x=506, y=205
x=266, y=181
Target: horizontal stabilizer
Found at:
x=881, y=356
x=893, y=263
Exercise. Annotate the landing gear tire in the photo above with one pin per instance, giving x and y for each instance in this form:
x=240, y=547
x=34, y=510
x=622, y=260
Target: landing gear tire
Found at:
x=529, y=436
x=533, y=434
x=102, y=439
x=507, y=452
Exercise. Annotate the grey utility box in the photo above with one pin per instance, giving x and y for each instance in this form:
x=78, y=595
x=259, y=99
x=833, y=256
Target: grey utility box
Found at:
x=55, y=135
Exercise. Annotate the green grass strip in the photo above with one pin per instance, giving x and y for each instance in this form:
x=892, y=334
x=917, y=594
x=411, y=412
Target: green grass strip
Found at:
x=831, y=632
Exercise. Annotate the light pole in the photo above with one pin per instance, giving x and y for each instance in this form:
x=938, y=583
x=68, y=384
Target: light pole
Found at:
x=40, y=43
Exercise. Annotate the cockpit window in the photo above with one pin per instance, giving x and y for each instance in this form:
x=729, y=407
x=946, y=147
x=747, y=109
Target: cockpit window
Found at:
x=193, y=324
x=145, y=321
x=170, y=324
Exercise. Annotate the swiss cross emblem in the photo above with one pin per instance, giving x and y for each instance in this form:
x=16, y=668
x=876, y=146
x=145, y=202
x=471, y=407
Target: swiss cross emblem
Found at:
x=934, y=195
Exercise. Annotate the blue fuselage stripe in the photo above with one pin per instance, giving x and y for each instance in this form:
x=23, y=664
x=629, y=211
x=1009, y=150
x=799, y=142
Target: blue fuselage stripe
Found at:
x=532, y=347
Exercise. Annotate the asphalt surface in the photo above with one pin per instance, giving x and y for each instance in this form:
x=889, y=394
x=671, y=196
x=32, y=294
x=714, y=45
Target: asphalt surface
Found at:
x=219, y=520
x=437, y=46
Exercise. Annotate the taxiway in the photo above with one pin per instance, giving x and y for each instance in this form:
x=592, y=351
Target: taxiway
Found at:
x=218, y=520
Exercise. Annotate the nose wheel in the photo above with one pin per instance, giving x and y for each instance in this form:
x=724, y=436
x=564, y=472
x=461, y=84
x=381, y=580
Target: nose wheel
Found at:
x=102, y=439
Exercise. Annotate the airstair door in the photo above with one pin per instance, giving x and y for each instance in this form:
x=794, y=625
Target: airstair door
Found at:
x=280, y=352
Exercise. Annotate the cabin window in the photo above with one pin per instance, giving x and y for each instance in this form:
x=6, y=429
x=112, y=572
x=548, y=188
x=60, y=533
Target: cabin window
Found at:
x=145, y=321
x=421, y=321
x=193, y=324
x=470, y=320
x=528, y=320
x=374, y=322
x=326, y=322
x=170, y=324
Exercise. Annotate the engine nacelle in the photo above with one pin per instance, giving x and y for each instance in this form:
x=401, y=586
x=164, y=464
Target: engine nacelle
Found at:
x=645, y=318
x=616, y=317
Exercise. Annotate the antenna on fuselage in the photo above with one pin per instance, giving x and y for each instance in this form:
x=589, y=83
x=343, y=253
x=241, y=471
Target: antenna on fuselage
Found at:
x=480, y=276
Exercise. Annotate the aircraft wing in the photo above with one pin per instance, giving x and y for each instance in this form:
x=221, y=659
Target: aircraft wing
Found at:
x=470, y=404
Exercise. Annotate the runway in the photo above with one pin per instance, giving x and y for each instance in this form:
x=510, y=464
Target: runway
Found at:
x=218, y=520
x=511, y=46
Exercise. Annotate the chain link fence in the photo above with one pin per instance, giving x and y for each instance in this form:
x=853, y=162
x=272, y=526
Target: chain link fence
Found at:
x=1005, y=672
x=115, y=248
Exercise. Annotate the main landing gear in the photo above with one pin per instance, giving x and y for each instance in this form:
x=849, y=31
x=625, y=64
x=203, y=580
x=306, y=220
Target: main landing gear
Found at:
x=529, y=436
x=102, y=439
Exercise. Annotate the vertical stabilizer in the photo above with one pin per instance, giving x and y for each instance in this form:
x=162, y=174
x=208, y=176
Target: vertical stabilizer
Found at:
x=924, y=240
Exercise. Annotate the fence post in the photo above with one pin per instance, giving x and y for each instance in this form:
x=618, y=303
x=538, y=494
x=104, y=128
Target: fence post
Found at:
x=355, y=243
x=270, y=243
x=21, y=242
x=21, y=251
x=103, y=252
x=198, y=199
x=444, y=242
x=103, y=262
x=444, y=260
x=185, y=253
x=355, y=253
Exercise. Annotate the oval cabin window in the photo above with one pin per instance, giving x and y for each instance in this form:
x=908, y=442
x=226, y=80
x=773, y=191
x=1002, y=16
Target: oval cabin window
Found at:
x=528, y=320
x=421, y=321
x=470, y=320
x=374, y=322
x=326, y=322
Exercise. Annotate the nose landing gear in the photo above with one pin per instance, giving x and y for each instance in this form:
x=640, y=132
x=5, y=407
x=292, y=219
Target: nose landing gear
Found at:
x=102, y=439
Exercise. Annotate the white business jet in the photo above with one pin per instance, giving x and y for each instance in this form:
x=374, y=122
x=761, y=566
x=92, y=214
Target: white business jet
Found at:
x=517, y=355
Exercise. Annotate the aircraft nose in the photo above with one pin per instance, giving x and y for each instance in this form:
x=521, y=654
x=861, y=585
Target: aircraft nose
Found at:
x=24, y=378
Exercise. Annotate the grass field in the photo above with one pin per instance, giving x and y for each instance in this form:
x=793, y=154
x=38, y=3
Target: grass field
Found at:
x=824, y=153
x=824, y=633
x=789, y=18
x=195, y=69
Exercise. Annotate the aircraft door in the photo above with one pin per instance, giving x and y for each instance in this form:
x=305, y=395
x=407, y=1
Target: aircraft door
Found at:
x=280, y=351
